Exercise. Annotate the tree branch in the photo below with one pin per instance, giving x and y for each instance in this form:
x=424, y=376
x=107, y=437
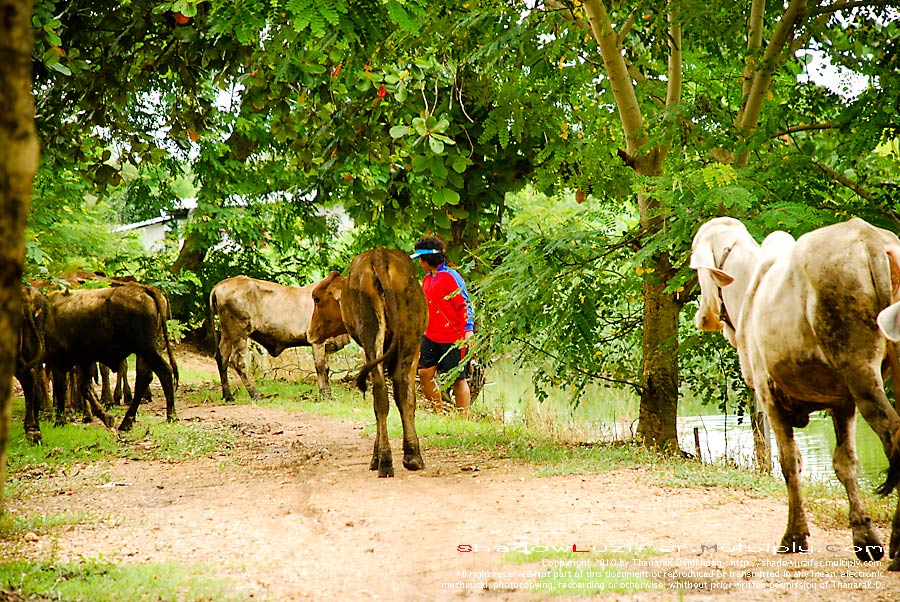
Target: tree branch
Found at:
x=617, y=74
x=845, y=181
x=636, y=386
x=807, y=128
x=848, y=5
x=748, y=117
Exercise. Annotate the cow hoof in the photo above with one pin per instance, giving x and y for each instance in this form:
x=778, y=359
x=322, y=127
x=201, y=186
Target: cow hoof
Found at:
x=373, y=465
x=172, y=417
x=794, y=544
x=895, y=564
x=413, y=462
x=867, y=544
x=228, y=398
x=386, y=467
x=126, y=424
x=34, y=437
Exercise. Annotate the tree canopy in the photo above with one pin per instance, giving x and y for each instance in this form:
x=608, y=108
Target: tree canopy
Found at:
x=630, y=123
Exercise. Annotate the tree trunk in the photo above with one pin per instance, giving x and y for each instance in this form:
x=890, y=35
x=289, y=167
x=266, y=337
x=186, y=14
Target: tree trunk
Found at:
x=190, y=257
x=18, y=163
x=659, y=398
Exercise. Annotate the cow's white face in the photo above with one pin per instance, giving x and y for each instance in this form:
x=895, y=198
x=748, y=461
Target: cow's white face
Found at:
x=711, y=278
x=708, y=314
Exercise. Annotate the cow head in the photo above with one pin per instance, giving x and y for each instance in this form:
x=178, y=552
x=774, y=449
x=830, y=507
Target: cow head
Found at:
x=326, y=321
x=712, y=279
x=711, y=252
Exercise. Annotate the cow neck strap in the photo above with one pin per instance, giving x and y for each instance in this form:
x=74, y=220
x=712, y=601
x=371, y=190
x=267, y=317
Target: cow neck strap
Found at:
x=723, y=312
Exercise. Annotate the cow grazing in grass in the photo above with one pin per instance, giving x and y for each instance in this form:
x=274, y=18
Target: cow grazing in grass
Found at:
x=804, y=318
x=381, y=304
x=107, y=325
x=275, y=316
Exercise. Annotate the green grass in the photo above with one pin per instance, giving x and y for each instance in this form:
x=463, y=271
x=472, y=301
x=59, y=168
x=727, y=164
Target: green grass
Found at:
x=587, y=573
x=536, y=440
x=99, y=581
x=14, y=525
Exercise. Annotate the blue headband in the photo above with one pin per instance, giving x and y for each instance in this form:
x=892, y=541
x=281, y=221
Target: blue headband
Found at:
x=420, y=252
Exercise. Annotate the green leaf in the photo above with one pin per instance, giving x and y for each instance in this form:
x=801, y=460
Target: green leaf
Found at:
x=441, y=220
x=61, y=68
x=445, y=196
x=437, y=147
x=399, y=131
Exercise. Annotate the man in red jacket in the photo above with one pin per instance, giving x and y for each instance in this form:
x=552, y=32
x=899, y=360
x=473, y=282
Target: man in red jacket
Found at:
x=450, y=323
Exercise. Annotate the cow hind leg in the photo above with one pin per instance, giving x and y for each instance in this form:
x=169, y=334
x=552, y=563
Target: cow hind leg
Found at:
x=143, y=376
x=866, y=542
x=32, y=409
x=166, y=377
x=238, y=361
x=405, y=398
x=381, y=456
x=93, y=405
x=60, y=382
x=223, y=359
x=106, y=393
x=874, y=406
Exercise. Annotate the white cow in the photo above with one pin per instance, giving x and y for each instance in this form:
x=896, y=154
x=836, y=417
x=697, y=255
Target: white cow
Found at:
x=803, y=317
x=275, y=316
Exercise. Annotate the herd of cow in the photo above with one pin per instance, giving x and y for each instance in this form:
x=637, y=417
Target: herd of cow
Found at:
x=379, y=304
x=814, y=321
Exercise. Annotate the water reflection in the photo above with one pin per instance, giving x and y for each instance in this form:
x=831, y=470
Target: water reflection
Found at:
x=728, y=437
x=609, y=414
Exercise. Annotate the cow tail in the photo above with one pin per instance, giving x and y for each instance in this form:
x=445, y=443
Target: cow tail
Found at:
x=160, y=301
x=213, y=311
x=28, y=307
x=391, y=314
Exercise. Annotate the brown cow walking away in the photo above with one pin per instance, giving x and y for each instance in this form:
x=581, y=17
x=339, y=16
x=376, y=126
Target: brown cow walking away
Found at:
x=275, y=316
x=381, y=304
x=804, y=318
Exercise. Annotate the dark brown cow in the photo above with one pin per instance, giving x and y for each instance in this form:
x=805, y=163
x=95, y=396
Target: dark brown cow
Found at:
x=381, y=304
x=275, y=316
x=108, y=325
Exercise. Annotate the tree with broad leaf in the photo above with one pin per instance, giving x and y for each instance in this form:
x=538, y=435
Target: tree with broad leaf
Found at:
x=420, y=117
x=654, y=59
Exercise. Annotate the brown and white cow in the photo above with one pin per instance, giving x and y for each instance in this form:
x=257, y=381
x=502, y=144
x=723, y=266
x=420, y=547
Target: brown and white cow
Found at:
x=381, y=304
x=803, y=317
x=107, y=325
x=275, y=316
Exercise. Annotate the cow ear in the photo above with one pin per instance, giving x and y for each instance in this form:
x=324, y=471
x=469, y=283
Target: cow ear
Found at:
x=722, y=278
x=702, y=259
x=893, y=254
x=337, y=294
x=889, y=322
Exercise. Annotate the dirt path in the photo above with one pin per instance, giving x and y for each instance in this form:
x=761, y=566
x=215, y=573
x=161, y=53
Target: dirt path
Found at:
x=293, y=513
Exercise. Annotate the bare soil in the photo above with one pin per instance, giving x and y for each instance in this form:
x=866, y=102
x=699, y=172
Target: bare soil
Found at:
x=293, y=513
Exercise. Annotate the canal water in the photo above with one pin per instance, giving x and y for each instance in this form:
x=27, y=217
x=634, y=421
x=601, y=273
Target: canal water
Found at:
x=606, y=413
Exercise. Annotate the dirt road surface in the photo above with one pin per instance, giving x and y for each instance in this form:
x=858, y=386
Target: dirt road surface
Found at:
x=293, y=513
